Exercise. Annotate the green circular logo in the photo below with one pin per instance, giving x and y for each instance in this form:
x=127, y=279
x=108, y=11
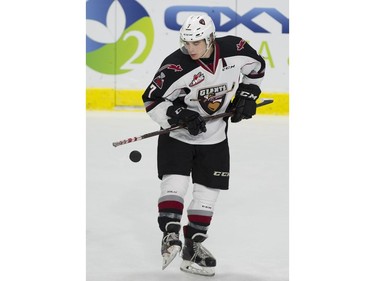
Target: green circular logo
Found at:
x=117, y=39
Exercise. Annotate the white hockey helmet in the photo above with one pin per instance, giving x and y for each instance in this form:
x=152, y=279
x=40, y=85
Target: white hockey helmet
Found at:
x=197, y=27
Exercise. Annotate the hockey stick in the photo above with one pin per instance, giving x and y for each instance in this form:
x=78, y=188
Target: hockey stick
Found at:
x=166, y=131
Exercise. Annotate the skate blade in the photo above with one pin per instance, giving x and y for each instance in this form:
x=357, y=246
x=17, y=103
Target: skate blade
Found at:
x=191, y=267
x=169, y=257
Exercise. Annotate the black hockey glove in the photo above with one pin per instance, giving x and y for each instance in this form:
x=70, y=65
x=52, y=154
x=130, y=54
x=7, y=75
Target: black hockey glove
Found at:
x=182, y=116
x=244, y=105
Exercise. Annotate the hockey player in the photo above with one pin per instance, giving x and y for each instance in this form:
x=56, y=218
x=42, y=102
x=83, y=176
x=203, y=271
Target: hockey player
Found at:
x=204, y=77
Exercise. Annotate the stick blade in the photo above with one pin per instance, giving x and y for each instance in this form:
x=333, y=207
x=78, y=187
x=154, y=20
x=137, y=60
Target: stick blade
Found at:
x=265, y=102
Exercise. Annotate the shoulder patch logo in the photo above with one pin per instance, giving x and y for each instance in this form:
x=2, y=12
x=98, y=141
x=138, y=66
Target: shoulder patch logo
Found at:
x=175, y=67
x=241, y=45
x=159, y=80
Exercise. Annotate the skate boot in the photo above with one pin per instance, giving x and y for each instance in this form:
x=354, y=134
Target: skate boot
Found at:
x=170, y=244
x=196, y=258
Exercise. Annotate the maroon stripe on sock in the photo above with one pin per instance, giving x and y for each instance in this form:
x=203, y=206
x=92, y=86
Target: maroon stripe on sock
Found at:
x=170, y=205
x=199, y=219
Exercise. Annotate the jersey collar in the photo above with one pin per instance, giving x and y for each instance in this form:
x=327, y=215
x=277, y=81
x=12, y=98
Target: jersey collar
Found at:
x=215, y=62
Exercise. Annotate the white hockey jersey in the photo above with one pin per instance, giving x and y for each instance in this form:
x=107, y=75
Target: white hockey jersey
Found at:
x=205, y=88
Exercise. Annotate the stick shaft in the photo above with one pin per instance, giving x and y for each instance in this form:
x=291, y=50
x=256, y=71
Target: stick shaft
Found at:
x=166, y=131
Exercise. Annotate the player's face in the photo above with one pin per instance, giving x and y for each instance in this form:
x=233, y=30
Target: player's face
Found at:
x=196, y=49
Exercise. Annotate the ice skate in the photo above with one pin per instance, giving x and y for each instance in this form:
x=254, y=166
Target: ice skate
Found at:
x=170, y=244
x=196, y=258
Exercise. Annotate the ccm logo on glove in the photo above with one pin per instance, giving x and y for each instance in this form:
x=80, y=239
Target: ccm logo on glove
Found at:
x=248, y=95
x=243, y=105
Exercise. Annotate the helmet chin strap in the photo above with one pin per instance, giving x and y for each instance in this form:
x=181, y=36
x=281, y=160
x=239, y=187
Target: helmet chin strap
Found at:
x=208, y=48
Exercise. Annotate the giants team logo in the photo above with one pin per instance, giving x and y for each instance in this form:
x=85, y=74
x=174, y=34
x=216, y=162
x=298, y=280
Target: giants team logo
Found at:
x=119, y=35
x=212, y=99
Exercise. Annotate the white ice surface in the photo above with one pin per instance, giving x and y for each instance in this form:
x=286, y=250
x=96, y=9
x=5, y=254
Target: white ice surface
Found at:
x=248, y=233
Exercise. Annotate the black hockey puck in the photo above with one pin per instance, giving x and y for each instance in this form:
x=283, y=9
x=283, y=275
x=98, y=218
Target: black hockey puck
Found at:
x=135, y=156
